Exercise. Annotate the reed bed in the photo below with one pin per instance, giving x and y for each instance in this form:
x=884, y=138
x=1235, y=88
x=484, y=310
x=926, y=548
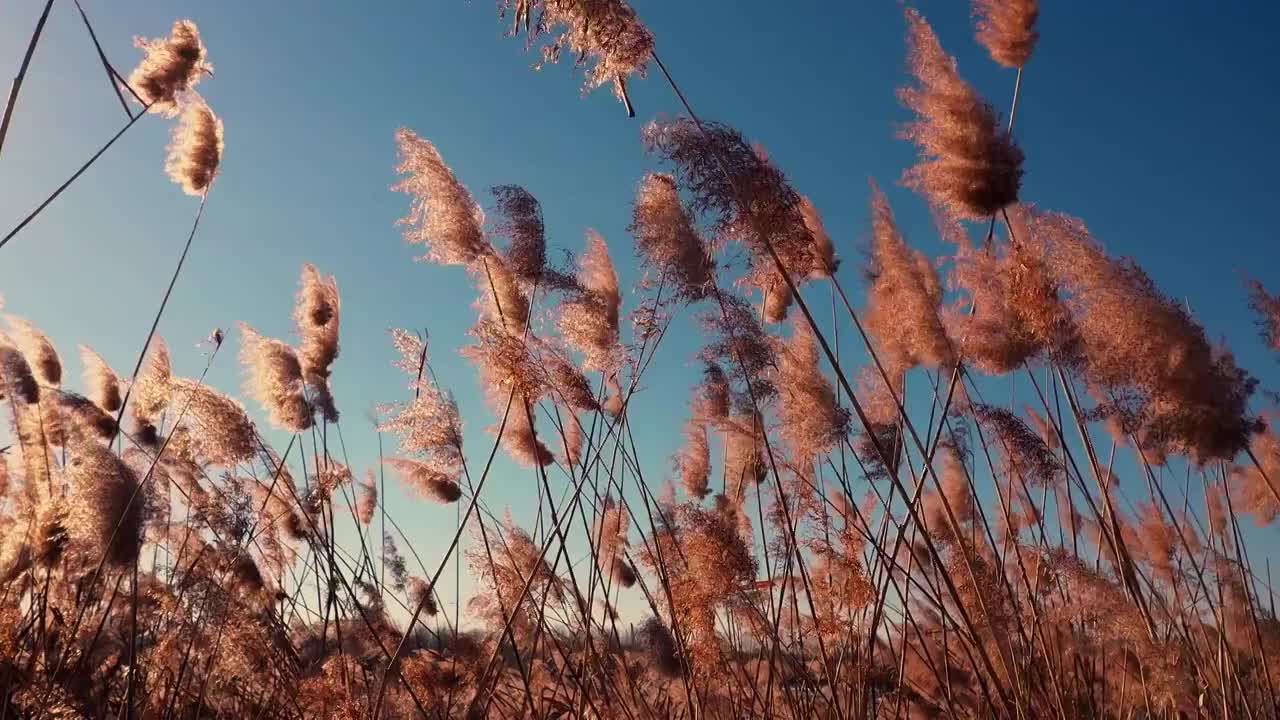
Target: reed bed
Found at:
x=881, y=538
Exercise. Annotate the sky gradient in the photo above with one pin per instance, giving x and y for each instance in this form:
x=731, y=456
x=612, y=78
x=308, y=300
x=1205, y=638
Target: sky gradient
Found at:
x=1154, y=122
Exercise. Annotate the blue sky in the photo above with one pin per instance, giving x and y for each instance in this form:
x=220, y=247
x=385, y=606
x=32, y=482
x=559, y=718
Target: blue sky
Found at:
x=1153, y=122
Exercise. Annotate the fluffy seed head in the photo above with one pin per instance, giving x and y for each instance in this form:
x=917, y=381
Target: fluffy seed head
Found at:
x=421, y=594
x=812, y=421
x=569, y=385
x=1014, y=311
x=1260, y=483
x=744, y=463
x=589, y=319
x=429, y=479
x=520, y=221
x=170, y=67
x=667, y=240
x=151, y=389
x=693, y=462
x=969, y=165
x=18, y=380
x=195, y=151
x=1026, y=453
x=274, y=379
x=605, y=36
x=1144, y=349
x=1006, y=28
x=38, y=349
x=825, y=262
x=442, y=215
x=103, y=383
x=502, y=300
x=367, y=498
x=1267, y=306
x=316, y=316
x=905, y=297
x=222, y=433
x=712, y=399
x=748, y=198
x=107, y=506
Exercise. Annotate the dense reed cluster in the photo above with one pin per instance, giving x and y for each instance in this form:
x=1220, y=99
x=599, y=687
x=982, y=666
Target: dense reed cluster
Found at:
x=857, y=523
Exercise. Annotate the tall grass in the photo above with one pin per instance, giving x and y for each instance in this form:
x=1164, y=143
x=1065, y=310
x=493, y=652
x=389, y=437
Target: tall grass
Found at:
x=877, y=541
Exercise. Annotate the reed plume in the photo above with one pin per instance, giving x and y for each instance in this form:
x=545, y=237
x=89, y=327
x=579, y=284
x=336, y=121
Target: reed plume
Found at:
x=568, y=383
x=104, y=384
x=19, y=382
x=589, y=318
x=1027, y=454
x=744, y=462
x=38, y=349
x=605, y=36
x=969, y=165
x=511, y=377
x=668, y=242
x=367, y=498
x=712, y=400
x=421, y=595
x=812, y=422
x=516, y=563
x=572, y=439
x=613, y=543
x=1006, y=28
x=1259, y=481
x=274, y=379
x=442, y=216
x=1267, y=307
x=905, y=297
x=825, y=261
x=520, y=221
x=429, y=479
x=429, y=424
x=195, y=153
x=107, y=506
x=170, y=67
x=1191, y=397
x=222, y=433
x=502, y=300
x=151, y=389
x=740, y=343
x=747, y=198
x=316, y=316
x=693, y=461
x=1014, y=311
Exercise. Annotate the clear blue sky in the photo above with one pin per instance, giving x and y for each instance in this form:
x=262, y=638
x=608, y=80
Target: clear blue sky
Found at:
x=1154, y=122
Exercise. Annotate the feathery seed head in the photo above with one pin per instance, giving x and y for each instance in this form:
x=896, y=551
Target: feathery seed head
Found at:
x=1006, y=28
x=589, y=318
x=442, y=215
x=667, y=240
x=170, y=67
x=520, y=221
x=969, y=165
x=195, y=152
x=693, y=461
x=38, y=349
x=905, y=296
x=275, y=380
x=222, y=433
x=429, y=479
x=605, y=36
x=316, y=316
x=18, y=381
x=104, y=384
x=367, y=498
